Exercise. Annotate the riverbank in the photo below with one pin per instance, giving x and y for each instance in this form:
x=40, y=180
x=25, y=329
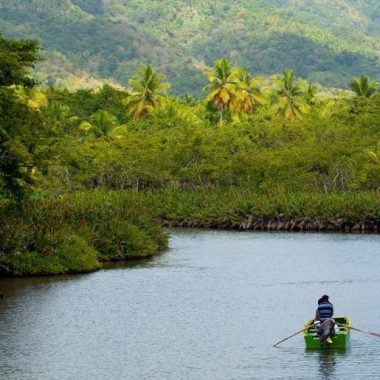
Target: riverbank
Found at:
x=292, y=225
x=248, y=211
x=76, y=232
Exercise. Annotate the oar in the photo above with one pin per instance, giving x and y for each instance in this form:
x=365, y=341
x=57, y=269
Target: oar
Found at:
x=291, y=336
x=362, y=331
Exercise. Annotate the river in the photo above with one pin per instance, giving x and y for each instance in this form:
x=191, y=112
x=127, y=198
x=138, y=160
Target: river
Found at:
x=211, y=307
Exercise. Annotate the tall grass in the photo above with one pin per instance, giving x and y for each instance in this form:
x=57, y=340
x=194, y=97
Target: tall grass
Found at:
x=236, y=205
x=75, y=232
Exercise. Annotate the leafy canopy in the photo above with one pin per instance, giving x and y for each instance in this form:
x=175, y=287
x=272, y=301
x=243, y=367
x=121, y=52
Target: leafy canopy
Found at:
x=363, y=86
x=289, y=95
x=147, y=93
x=16, y=60
x=19, y=124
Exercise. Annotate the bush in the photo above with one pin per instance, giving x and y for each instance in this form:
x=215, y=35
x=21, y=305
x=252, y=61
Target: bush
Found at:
x=68, y=253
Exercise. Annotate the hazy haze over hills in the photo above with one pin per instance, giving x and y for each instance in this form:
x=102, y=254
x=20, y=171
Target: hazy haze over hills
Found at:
x=328, y=41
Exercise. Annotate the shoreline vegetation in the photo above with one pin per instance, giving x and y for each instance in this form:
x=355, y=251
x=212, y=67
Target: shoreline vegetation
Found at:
x=75, y=233
x=94, y=176
x=247, y=211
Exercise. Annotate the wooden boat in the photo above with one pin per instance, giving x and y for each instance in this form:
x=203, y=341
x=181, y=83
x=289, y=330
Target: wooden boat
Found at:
x=340, y=340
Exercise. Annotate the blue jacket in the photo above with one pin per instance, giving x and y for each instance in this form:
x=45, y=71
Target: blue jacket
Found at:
x=325, y=310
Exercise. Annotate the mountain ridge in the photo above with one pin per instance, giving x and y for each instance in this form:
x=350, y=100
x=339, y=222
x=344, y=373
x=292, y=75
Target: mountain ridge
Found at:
x=107, y=41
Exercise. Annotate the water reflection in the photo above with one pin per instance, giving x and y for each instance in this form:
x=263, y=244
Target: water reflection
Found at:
x=327, y=363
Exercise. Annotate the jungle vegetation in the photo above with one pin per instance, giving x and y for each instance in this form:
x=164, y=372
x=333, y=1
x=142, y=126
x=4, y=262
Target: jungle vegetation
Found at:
x=89, y=175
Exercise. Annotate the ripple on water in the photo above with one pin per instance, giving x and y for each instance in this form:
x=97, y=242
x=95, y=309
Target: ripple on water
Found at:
x=211, y=307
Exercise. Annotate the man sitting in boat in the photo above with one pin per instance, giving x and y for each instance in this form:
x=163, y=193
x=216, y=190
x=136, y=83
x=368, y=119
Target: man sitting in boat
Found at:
x=323, y=320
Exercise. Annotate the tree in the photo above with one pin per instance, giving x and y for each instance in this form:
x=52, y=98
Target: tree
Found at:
x=249, y=94
x=20, y=126
x=56, y=112
x=32, y=97
x=101, y=124
x=174, y=113
x=147, y=93
x=311, y=93
x=288, y=97
x=363, y=86
x=222, y=86
x=56, y=116
x=16, y=59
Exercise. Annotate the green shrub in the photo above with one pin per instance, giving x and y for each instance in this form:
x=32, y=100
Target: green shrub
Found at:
x=74, y=232
x=55, y=253
x=235, y=205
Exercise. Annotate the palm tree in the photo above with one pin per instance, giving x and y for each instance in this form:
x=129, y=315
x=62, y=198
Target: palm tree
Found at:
x=288, y=97
x=58, y=119
x=148, y=92
x=363, y=87
x=222, y=85
x=189, y=100
x=32, y=97
x=249, y=94
x=101, y=124
x=57, y=112
x=172, y=112
x=311, y=93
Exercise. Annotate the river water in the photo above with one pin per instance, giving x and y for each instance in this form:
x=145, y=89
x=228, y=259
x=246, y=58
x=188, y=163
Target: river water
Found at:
x=211, y=307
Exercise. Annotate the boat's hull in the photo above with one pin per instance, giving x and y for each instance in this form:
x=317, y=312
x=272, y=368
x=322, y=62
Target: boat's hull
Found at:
x=340, y=340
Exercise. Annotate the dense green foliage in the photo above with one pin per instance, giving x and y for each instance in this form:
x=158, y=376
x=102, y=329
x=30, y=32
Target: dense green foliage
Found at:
x=85, y=176
x=236, y=208
x=16, y=57
x=19, y=126
x=329, y=42
x=334, y=146
x=73, y=233
x=65, y=234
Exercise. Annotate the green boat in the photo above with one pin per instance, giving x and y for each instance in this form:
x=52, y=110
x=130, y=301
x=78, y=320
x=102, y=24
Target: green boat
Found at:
x=340, y=340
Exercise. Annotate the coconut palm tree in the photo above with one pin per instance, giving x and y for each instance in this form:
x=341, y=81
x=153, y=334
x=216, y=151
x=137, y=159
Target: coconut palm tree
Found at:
x=172, y=112
x=32, y=97
x=311, y=90
x=57, y=112
x=222, y=85
x=100, y=124
x=249, y=94
x=288, y=97
x=363, y=86
x=58, y=119
x=189, y=100
x=147, y=92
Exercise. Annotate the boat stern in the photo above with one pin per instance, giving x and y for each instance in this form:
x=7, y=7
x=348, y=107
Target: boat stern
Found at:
x=340, y=340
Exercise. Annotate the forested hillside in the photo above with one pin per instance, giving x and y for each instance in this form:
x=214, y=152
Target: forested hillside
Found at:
x=87, y=41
